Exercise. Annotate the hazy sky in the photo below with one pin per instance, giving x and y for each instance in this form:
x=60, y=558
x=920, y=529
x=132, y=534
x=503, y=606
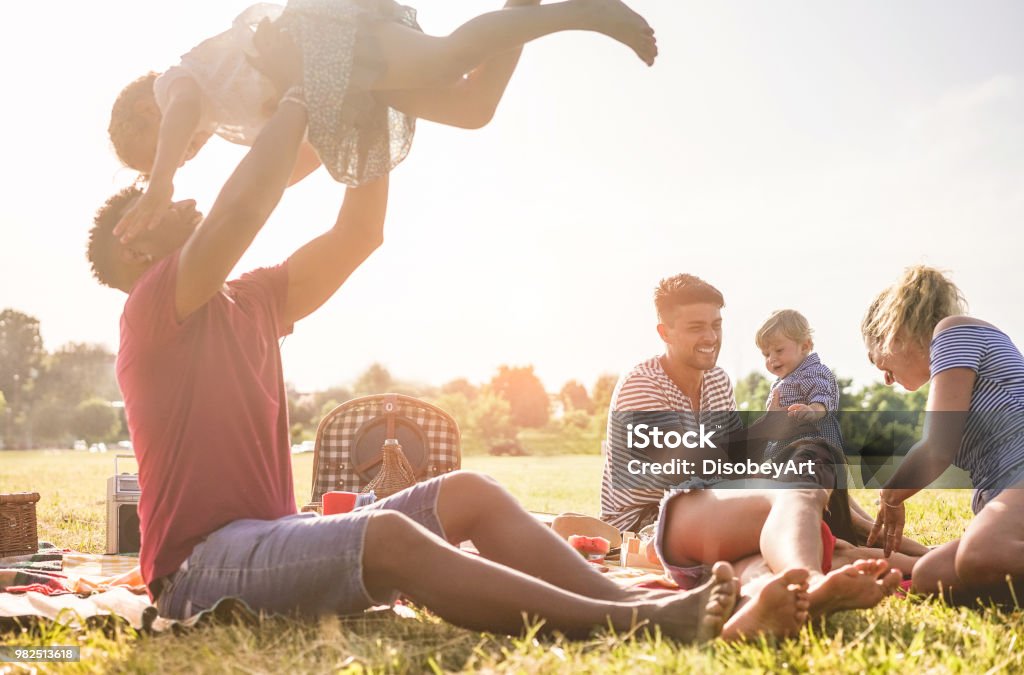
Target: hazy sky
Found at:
x=795, y=154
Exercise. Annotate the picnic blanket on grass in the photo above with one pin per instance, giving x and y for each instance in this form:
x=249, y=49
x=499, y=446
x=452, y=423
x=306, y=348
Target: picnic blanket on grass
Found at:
x=40, y=572
x=97, y=591
x=73, y=588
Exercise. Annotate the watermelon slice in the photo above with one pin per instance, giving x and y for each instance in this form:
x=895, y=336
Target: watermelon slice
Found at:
x=593, y=549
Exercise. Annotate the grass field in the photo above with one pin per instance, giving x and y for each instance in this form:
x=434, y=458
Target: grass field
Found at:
x=905, y=635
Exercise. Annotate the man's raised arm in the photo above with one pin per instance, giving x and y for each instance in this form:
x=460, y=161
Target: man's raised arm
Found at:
x=241, y=209
x=254, y=189
x=320, y=267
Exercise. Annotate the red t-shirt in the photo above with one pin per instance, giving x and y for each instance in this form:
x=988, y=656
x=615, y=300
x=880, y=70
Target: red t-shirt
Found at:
x=206, y=410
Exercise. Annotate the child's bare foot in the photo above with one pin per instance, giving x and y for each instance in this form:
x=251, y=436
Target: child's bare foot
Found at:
x=779, y=609
x=700, y=614
x=859, y=585
x=614, y=19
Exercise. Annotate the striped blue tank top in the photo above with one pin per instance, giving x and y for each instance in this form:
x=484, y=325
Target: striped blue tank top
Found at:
x=993, y=441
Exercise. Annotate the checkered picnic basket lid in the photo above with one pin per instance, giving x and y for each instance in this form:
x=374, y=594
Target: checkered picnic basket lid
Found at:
x=347, y=454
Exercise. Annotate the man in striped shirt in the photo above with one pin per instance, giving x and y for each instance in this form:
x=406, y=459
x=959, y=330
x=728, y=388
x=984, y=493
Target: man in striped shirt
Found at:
x=683, y=383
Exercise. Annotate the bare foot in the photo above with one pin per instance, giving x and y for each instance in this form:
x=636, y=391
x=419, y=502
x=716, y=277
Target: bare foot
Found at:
x=700, y=614
x=779, y=609
x=859, y=585
x=614, y=19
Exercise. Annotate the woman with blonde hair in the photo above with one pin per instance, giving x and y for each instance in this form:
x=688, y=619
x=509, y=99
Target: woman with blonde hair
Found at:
x=916, y=332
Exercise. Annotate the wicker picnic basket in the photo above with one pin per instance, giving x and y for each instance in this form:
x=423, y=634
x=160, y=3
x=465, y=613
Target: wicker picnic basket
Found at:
x=384, y=442
x=18, y=534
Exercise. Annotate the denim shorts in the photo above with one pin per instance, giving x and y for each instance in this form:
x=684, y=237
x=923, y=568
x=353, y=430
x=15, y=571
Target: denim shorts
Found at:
x=303, y=563
x=686, y=577
x=982, y=497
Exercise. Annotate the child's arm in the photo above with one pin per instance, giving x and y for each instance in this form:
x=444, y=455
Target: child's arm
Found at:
x=807, y=414
x=822, y=394
x=177, y=129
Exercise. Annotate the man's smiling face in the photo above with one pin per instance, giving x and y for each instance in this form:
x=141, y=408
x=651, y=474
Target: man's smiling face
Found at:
x=694, y=337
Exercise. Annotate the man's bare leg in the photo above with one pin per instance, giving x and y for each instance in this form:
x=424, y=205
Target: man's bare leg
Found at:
x=479, y=594
x=473, y=507
x=539, y=552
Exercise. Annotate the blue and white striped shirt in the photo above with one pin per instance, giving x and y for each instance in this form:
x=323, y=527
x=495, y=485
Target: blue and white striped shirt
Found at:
x=810, y=382
x=993, y=441
x=648, y=388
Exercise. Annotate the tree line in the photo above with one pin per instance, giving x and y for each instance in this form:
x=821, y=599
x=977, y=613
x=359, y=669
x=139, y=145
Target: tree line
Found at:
x=51, y=399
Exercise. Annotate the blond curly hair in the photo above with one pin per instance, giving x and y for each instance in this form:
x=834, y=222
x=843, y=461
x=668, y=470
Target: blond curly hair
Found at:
x=912, y=307
x=134, y=134
x=788, y=323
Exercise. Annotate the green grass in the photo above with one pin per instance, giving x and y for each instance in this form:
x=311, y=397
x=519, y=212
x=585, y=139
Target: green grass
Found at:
x=900, y=635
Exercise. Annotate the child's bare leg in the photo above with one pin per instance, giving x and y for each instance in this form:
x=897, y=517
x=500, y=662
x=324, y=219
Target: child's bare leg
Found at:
x=468, y=103
x=416, y=60
x=306, y=163
x=476, y=593
x=846, y=553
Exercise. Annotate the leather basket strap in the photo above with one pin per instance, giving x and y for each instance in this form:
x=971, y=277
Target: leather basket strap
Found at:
x=390, y=410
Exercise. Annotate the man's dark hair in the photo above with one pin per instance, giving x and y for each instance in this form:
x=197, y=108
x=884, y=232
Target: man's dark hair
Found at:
x=100, y=251
x=684, y=289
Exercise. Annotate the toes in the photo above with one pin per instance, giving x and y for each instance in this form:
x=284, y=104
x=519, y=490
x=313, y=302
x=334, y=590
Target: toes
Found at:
x=892, y=581
x=723, y=571
x=714, y=608
x=796, y=577
x=876, y=566
x=879, y=563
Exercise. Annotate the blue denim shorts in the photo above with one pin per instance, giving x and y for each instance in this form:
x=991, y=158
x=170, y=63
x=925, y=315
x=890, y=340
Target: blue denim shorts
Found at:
x=1014, y=477
x=686, y=577
x=303, y=563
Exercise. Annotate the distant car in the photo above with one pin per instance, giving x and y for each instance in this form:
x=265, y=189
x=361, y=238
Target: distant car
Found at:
x=80, y=445
x=511, y=448
x=304, y=446
x=124, y=445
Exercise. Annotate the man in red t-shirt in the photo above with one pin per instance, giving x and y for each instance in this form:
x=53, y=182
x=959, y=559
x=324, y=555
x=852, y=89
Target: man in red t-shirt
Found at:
x=200, y=370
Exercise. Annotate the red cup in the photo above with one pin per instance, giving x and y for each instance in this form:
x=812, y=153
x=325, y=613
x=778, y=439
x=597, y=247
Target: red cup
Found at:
x=337, y=501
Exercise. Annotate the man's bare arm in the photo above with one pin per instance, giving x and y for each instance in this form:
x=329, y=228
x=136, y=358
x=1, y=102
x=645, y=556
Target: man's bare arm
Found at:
x=241, y=209
x=319, y=268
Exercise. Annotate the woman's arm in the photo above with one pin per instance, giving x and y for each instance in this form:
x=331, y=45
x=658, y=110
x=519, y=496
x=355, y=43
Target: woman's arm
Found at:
x=862, y=524
x=949, y=402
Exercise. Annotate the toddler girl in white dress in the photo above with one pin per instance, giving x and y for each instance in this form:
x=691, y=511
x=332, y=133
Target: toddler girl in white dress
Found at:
x=368, y=73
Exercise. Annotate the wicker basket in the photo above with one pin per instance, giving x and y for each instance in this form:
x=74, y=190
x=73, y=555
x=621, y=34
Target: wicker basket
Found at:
x=395, y=472
x=18, y=535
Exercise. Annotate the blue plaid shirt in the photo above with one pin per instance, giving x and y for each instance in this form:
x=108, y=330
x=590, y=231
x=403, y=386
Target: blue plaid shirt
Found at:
x=811, y=382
